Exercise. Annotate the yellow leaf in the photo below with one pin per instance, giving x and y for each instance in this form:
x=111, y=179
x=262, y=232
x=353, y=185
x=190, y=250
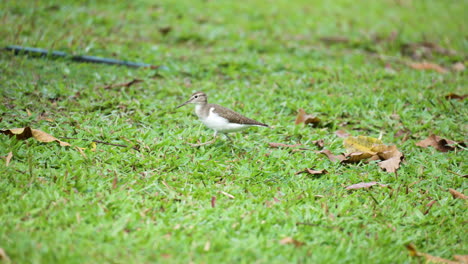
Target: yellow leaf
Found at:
x=364, y=144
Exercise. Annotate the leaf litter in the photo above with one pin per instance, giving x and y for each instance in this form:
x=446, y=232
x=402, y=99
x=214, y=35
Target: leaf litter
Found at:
x=441, y=144
x=27, y=132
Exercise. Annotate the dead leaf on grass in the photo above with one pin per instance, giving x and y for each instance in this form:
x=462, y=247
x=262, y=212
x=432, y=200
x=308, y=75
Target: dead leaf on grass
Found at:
x=342, y=134
x=425, y=66
x=364, y=185
x=27, y=132
x=443, y=145
x=367, y=148
x=456, y=96
x=290, y=240
x=302, y=117
x=331, y=156
x=433, y=259
x=312, y=171
x=281, y=145
x=457, y=195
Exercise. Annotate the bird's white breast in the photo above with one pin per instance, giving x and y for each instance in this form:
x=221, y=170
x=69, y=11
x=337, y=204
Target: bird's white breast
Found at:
x=217, y=122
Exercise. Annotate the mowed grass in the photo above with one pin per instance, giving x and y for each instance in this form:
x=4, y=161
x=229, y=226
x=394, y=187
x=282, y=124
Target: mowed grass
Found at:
x=265, y=60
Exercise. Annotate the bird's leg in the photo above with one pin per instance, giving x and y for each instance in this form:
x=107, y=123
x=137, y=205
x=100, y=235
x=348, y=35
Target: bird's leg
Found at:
x=206, y=143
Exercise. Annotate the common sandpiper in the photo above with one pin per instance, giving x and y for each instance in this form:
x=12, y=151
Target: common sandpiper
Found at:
x=219, y=118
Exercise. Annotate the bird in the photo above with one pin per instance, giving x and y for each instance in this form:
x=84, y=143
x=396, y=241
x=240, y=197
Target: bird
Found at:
x=219, y=118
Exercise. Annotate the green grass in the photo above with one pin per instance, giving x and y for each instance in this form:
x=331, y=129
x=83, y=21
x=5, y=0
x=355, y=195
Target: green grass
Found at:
x=265, y=60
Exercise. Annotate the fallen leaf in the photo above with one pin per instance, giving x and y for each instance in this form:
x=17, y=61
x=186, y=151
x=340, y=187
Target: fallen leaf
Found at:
x=364, y=185
x=331, y=156
x=443, y=145
x=424, y=66
x=456, y=96
x=8, y=158
x=290, y=240
x=4, y=256
x=390, y=165
x=363, y=144
x=281, y=145
x=457, y=195
x=357, y=157
x=459, y=67
x=342, y=134
x=367, y=148
x=391, y=159
x=429, y=258
x=28, y=112
x=312, y=171
x=27, y=132
x=302, y=117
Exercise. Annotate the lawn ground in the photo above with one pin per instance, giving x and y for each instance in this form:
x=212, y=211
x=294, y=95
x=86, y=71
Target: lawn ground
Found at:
x=351, y=63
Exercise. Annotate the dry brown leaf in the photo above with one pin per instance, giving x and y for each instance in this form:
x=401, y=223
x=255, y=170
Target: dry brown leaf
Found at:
x=8, y=158
x=290, y=240
x=312, y=171
x=443, y=145
x=281, y=145
x=342, y=134
x=429, y=258
x=457, y=195
x=390, y=165
x=27, y=132
x=367, y=148
x=456, y=96
x=364, y=185
x=423, y=66
x=331, y=156
x=4, y=256
x=302, y=117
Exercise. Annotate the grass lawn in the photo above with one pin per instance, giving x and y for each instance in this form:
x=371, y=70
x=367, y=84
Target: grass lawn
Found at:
x=351, y=63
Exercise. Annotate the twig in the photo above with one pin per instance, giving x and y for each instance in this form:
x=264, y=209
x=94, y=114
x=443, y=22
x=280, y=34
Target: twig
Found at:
x=103, y=142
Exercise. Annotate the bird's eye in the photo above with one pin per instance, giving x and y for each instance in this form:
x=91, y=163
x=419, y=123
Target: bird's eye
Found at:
x=196, y=96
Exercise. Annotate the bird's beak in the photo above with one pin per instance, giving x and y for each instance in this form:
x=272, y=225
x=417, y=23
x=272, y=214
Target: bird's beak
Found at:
x=184, y=103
